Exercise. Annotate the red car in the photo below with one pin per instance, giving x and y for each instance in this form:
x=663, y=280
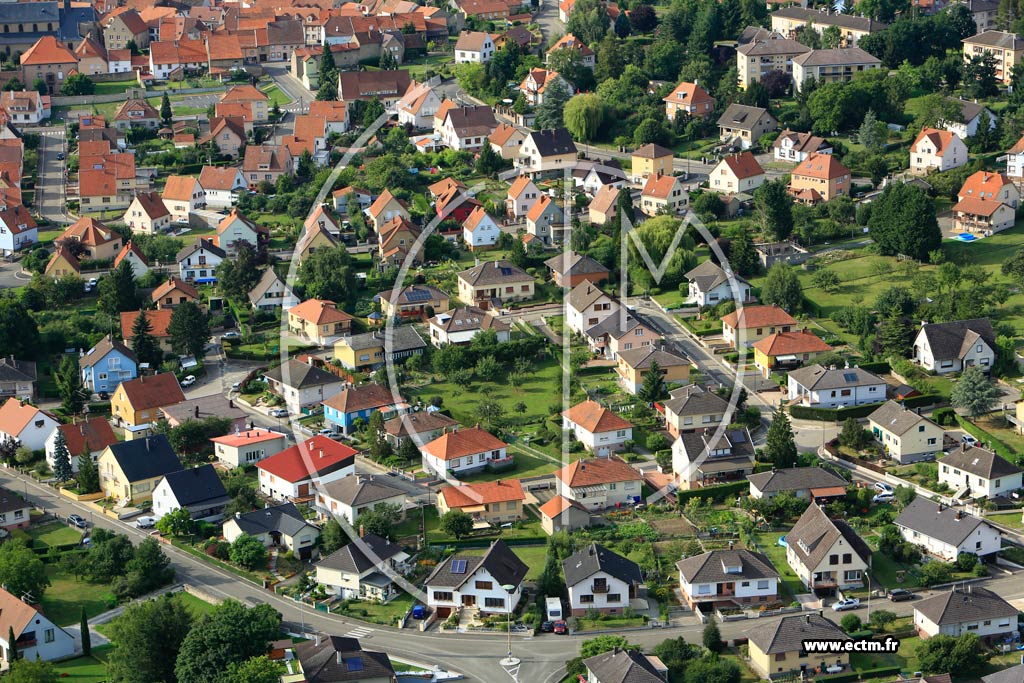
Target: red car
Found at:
x=561, y=628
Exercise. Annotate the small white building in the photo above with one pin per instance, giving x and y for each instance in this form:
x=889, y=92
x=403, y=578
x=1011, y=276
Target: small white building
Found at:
x=198, y=261
x=596, y=427
x=36, y=637
x=353, y=495
x=522, y=195
x=729, y=578
x=599, y=483
x=937, y=150
x=359, y=570
x=946, y=532
x=23, y=422
x=979, y=473
x=710, y=285
x=965, y=609
x=818, y=387
x=461, y=325
x=599, y=579
x=464, y=451
x=281, y=525
x=955, y=346
x=248, y=447
x=587, y=306
x=906, y=435
x=826, y=554
x=476, y=582
x=479, y=231
x=474, y=47
x=198, y=490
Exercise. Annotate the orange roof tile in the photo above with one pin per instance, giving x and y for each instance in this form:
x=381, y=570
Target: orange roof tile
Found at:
x=659, y=186
x=14, y=416
x=47, y=50
x=180, y=188
x=595, y=418
x=689, y=94
x=158, y=320
x=940, y=139
x=983, y=185
x=977, y=207
x=758, y=316
x=558, y=505
x=596, y=471
x=311, y=458
x=462, y=443
x=175, y=284
x=319, y=312
x=249, y=436
x=485, y=493
x=743, y=165
x=95, y=434
x=788, y=343
x=822, y=167
x=154, y=391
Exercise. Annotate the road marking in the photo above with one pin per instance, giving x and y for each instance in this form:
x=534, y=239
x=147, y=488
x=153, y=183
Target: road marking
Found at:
x=361, y=632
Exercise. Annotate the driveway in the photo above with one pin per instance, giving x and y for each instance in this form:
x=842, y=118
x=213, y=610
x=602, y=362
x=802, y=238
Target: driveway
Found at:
x=51, y=196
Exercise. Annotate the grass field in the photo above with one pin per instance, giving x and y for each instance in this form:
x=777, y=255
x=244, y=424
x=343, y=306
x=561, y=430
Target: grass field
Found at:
x=64, y=599
x=276, y=96
x=383, y=614
x=791, y=584
x=533, y=555
x=612, y=622
x=85, y=669
x=527, y=465
x=53, y=533
x=197, y=607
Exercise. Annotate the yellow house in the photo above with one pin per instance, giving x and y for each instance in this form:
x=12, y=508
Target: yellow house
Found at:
x=130, y=470
x=412, y=302
x=370, y=350
x=384, y=208
x=787, y=350
x=634, y=364
x=494, y=502
x=62, y=263
x=776, y=648
x=651, y=159
x=906, y=436
x=137, y=403
x=313, y=238
x=1006, y=48
x=320, y=321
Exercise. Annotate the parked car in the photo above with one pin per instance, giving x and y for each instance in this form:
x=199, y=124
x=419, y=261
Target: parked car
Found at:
x=883, y=498
x=60, y=156
x=846, y=604
x=561, y=628
x=547, y=627
x=279, y=412
x=145, y=522
x=326, y=432
x=882, y=487
x=834, y=669
x=236, y=386
x=231, y=334
x=419, y=612
x=968, y=440
x=188, y=381
x=78, y=521
x=900, y=594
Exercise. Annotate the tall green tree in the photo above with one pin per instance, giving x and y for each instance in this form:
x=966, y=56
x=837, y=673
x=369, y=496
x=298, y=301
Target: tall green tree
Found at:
x=742, y=256
x=380, y=520
x=165, y=109
x=61, y=458
x=88, y=478
x=374, y=110
x=119, y=290
x=975, y=392
x=144, y=344
x=69, y=386
x=780, y=445
x=189, y=329
x=584, y=116
x=32, y=671
x=22, y=572
x=456, y=523
x=774, y=209
x=238, y=275
x=328, y=77
x=260, y=669
x=149, y=635
x=328, y=274
x=12, y=643
x=782, y=288
x=19, y=334
x=230, y=634
x=653, y=387
x=712, y=638
x=549, y=112
x=83, y=627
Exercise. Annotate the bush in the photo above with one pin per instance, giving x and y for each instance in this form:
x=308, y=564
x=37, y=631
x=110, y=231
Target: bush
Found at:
x=715, y=494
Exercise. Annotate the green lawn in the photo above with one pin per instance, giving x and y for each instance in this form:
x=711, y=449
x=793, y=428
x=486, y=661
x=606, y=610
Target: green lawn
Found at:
x=114, y=87
x=64, y=599
x=583, y=624
x=197, y=607
x=54, y=533
x=418, y=67
x=378, y=613
x=85, y=669
x=527, y=465
x=1009, y=519
x=905, y=657
x=791, y=583
x=533, y=555
x=277, y=96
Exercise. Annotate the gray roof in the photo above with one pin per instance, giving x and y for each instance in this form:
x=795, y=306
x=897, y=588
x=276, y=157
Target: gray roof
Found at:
x=586, y=293
x=814, y=535
x=141, y=459
x=695, y=400
x=300, y=375
x=818, y=378
x=741, y=116
x=795, y=479
x=105, y=346
x=267, y=281
x=959, y=606
x=1015, y=674
x=579, y=264
x=31, y=12
x=200, y=243
x=418, y=423
x=499, y=561
x=215, y=405
x=839, y=55
x=714, y=566
x=1000, y=39
x=896, y=418
x=614, y=326
x=351, y=557
x=356, y=489
x=778, y=46
x=13, y=370
x=284, y=518
x=553, y=142
x=622, y=666
x=736, y=441
x=495, y=273
x=789, y=633
x=469, y=318
x=969, y=109
x=950, y=341
x=397, y=339
x=826, y=19
x=709, y=275
x=980, y=462
x=643, y=357
x=581, y=565
x=937, y=521
x=337, y=659
x=197, y=485
x=752, y=33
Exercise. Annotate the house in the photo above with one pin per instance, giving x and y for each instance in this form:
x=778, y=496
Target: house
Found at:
x=545, y=151
x=247, y=447
x=777, y=647
x=835, y=65
x=49, y=61
x=785, y=351
x=386, y=86
x=92, y=57
x=352, y=573
x=599, y=483
x=303, y=386
x=198, y=409
x=35, y=636
x=710, y=285
x=106, y=365
x=488, y=503
x=506, y=140
x=415, y=302
x=737, y=173
x=479, y=231
x=385, y=208
x=599, y=429
x=570, y=42
x=319, y=321
x=692, y=408
x=982, y=216
x=943, y=348
x=599, y=579
x=461, y=325
x=197, y=489
x=795, y=146
x=358, y=402
x=198, y=261
x=624, y=665
x=618, y=333
x=758, y=58
x=159, y=321
x=123, y=26
x=422, y=427
x=572, y=269
x=24, y=107
x=826, y=554
x=147, y=214
x=280, y=526
x=477, y=582
x=334, y=114
x=15, y=512
x=18, y=230
x=906, y=435
x=522, y=195
x=648, y=160
x=820, y=387
x=974, y=116
x=965, y=609
x=1006, y=50
x=562, y=514
x=371, y=350
x=945, y=532
x=936, y=150
x=728, y=578
x=130, y=470
x=819, y=178
x=136, y=403
x=350, y=497
x=587, y=306
x=254, y=98
x=17, y=378
x=314, y=238
x=323, y=218
x=814, y=483
x=546, y=221
x=98, y=242
x=465, y=451
x=688, y=99
x=135, y=113
x=787, y=20
x=183, y=195
x=271, y=292
x=995, y=187
x=537, y=83
x=749, y=324
x=603, y=206
x=707, y=458
x=23, y=422
x=634, y=365
x=236, y=228
x=1015, y=163
x=336, y=658
x=173, y=293
x=979, y=472
x=293, y=473
x=136, y=259
x=742, y=126
x=474, y=47
x=467, y=128
x=493, y=283
x=265, y=164
x=663, y=195
x=395, y=240
x=418, y=106
x=62, y=263
x=221, y=186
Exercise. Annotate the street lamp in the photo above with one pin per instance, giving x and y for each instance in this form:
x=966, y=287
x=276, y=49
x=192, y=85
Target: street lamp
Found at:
x=509, y=660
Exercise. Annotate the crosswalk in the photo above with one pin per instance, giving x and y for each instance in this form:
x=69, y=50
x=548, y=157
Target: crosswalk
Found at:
x=53, y=133
x=361, y=632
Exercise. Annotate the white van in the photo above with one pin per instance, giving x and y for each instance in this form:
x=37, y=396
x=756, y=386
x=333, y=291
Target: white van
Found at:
x=554, y=609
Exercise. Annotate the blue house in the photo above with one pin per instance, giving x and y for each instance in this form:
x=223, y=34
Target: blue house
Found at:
x=358, y=403
x=108, y=364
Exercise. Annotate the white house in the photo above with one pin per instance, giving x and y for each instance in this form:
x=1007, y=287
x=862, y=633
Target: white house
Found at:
x=476, y=582
x=247, y=448
x=89, y=435
x=36, y=637
x=359, y=570
x=700, y=459
x=522, y=195
x=198, y=261
x=979, y=472
x=24, y=422
x=794, y=146
x=221, y=185
x=474, y=47
x=598, y=483
x=198, y=490
x=587, y=305
x=937, y=150
x=465, y=451
x=235, y=228
x=281, y=525
x=955, y=346
x=728, y=577
x=293, y=473
x=905, y=435
x=974, y=116
x=826, y=553
x=302, y=385
x=737, y=173
x=819, y=387
x=461, y=325
x=182, y=195
x=18, y=230
x=946, y=532
x=965, y=609
x=710, y=285
x=351, y=496
x=418, y=106
x=596, y=427
x=599, y=579
x=479, y=231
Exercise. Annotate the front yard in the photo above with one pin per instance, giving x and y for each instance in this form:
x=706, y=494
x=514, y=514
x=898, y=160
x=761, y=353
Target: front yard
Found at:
x=375, y=612
x=66, y=596
x=790, y=583
x=54, y=533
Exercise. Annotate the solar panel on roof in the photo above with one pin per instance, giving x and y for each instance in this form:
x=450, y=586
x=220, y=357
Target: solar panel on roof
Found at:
x=506, y=271
x=354, y=663
x=459, y=566
x=850, y=376
x=418, y=295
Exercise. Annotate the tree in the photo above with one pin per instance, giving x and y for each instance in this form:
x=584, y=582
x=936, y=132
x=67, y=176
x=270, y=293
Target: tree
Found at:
x=622, y=25
x=774, y=209
x=903, y=222
x=712, y=638
x=261, y=669
x=873, y=134
x=374, y=110
x=550, y=582
x=956, y=656
x=40, y=86
x=853, y=435
x=77, y=84
x=882, y=618
x=189, y=329
x=177, y=522
x=584, y=116
x=28, y=671
x=742, y=256
x=456, y=523
x=780, y=445
x=653, y=387
x=328, y=274
x=119, y=290
x=149, y=635
x=826, y=280
x=782, y=288
x=149, y=569
x=974, y=393
x=19, y=335
x=549, y=112
x=938, y=109
x=83, y=628
x=851, y=623
x=332, y=536
x=12, y=642
x=22, y=572
x=248, y=552
x=230, y=634
x=165, y=109
x=380, y=520
x=1013, y=267
x=328, y=77
x=69, y=385
x=489, y=162
x=61, y=458
x=643, y=19
x=675, y=653
x=88, y=478
x=236, y=276
x=980, y=76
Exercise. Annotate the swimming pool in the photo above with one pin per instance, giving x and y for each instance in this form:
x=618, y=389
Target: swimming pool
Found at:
x=967, y=237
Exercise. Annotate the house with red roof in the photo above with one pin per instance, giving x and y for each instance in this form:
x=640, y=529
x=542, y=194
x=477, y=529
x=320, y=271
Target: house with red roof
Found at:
x=360, y=402
x=562, y=514
x=688, y=99
x=936, y=150
x=737, y=173
x=247, y=447
x=48, y=60
x=88, y=436
x=294, y=473
x=479, y=231
x=135, y=404
x=465, y=451
x=787, y=350
x=982, y=216
x=598, y=428
x=173, y=293
x=599, y=483
x=990, y=186
x=147, y=214
x=662, y=194
x=320, y=321
x=255, y=98
x=574, y=44
x=134, y=256
x=819, y=178
x=748, y=324
x=159, y=320
x=488, y=503
x=182, y=195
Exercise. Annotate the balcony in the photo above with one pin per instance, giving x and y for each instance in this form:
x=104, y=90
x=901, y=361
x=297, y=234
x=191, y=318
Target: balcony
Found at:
x=599, y=588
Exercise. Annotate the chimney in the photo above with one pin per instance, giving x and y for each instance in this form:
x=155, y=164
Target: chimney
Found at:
x=730, y=545
x=317, y=640
x=808, y=618
x=337, y=657
x=321, y=452
x=959, y=515
x=362, y=531
x=197, y=411
x=238, y=515
x=231, y=403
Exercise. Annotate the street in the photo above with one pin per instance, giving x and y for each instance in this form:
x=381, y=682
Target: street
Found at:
x=51, y=199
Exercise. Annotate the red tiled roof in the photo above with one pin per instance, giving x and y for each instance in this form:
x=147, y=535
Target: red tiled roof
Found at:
x=362, y=397
x=47, y=50
x=92, y=435
x=758, y=316
x=787, y=343
x=158, y=320
x=822, y=167
x=313, y=457
x=941, y=139
x=486, y=493
x=983, y=185
x=692, y=94
x=595, y=418
x=319, y=311
x=743, y=165
x=175, y=284
x=462, y=443
x=558, y=505
x=249, y=436
x=596, y=471
x=659, y=186
x=154, y=391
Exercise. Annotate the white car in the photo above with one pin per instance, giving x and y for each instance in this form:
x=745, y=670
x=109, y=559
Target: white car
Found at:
x=279, y=412
x=145, y=522
x=326, y=432
x=883, y=498
x=845, y=604
x=968, y=440
x=882, y=487
x=834, y=669
x=236, y=386
x=188, y=381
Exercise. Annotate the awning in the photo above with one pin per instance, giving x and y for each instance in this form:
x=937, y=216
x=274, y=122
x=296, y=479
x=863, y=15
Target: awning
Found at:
x=828, y=492
x=475, y=508
x=785, y=359
x=205, y=280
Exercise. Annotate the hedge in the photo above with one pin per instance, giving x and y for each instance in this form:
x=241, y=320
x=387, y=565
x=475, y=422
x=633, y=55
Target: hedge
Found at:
x=922, y=400
x=879, y=368
x=987, y=440
x=831, y=414
x=944, y=416
x=486, y=541
x=864, y=674
x=716, y=494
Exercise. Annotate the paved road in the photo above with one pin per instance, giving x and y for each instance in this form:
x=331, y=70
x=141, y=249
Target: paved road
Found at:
x=51, y=199
x=548, y=22
x=290, y=86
